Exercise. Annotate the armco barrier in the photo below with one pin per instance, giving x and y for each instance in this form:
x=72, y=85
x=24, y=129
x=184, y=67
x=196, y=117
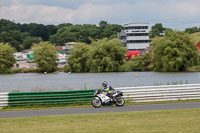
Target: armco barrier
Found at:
x=3, y=99
x=50, y=97
x=161, y=93
x=132, y=94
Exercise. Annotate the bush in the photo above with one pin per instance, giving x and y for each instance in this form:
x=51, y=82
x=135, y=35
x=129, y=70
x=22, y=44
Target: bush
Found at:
x=127, y=67
x=45, y=57
x=174, y=52
x=67, y=68
x=7, y=59
x=139, y=63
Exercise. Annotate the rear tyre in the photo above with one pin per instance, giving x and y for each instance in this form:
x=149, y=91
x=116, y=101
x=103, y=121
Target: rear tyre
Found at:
x=120, y=101
x=96, y=102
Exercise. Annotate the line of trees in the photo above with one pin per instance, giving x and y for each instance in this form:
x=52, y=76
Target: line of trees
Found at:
x=22, y=36
x=104, y=55
x=159, y=30
x=192, y=30
x=101, y=56
x=173, y=51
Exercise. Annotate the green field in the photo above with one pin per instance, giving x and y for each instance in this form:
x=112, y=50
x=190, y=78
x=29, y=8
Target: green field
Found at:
x=168, y=121
x=195, y=37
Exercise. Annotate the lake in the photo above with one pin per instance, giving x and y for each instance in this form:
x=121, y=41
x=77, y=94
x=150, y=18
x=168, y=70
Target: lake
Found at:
x=63, y=81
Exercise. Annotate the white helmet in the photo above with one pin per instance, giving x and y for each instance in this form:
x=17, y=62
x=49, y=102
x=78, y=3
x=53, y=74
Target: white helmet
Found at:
x=104, y=84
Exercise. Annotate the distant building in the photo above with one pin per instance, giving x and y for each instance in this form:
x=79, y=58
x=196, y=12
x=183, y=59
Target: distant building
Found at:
x=149, y=49
x=62, y=58
x=59, y=48
x=135, y=36
x=68, y=46
x=19, y=56
x=27, y=51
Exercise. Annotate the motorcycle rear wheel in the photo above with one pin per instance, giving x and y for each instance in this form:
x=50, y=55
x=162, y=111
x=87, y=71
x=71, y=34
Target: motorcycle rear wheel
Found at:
x=120, y=101
x=96, y=102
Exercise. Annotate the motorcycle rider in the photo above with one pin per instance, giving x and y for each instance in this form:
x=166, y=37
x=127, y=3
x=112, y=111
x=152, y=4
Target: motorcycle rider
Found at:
x=108, y=89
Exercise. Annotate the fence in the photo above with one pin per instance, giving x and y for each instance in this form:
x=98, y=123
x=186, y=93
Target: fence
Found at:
x=3, y=99
x=132, y=94
x=45, y=98
x=161, y=93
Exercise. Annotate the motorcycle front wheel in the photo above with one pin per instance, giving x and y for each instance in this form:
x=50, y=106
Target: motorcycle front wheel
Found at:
x=120, y=101
x=96, y=102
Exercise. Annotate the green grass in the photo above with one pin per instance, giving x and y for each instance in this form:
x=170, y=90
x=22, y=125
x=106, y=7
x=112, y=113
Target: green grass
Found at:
x=40, y=107
x=195, y=37
x=167, y=121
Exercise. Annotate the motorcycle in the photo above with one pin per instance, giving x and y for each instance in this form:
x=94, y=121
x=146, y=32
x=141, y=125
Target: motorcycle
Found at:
x=101, y=99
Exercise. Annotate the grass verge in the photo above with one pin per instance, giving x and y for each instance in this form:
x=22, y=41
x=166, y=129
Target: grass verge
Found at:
x=40, y=107
x=167, y=121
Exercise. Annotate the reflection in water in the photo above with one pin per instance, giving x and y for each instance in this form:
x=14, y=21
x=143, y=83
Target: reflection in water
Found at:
x=77, y=81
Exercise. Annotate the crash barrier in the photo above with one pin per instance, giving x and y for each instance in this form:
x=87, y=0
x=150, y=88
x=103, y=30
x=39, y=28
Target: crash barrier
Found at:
x=3, y=99
x=45, y=98
x=161, y=93
x=131, y=94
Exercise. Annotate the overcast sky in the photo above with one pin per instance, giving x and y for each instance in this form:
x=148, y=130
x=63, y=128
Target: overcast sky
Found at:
x=176, y=14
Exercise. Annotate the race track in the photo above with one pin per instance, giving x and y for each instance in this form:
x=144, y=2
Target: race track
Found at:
x=89, y=110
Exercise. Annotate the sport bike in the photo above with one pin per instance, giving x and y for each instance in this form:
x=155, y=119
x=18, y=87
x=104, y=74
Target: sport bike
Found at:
x=101, y=99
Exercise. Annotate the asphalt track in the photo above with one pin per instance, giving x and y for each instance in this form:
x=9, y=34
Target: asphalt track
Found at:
x=90, y=110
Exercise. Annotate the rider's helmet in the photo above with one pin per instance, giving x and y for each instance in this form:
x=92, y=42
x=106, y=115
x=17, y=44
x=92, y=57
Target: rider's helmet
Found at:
x=104, y=84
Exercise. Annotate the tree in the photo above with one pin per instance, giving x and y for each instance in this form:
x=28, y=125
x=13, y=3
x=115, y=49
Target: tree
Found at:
x=27, y=27
x=143, y=62
x=192, y=30
x=6, y=25
x=45, y=56
x=52, y=29
x=13, y=37
x=64, y=25
x=103, y=24
x=174, y=52
x=157, y=29
x=90, y=32
x=111, y=30
x=66, y=34
x=29, y=41
x=106, y=56
x=78, y=58
x=7, y=59
x=101, y=56
x=40, y=30
x=75, y=33
x=139, y=63
x=54, y=39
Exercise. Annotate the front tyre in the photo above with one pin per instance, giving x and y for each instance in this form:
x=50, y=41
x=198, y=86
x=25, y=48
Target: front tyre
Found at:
x=96, y=102
x=119, y=101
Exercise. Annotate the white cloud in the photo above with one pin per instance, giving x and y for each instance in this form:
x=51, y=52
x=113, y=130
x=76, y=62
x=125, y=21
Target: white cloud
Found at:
x=37, y=13
x=88, y=12
x=51, y=14
x=170, y=12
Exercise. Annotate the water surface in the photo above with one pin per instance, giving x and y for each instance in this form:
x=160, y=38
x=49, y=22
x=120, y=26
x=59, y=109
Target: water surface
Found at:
x=76, y=81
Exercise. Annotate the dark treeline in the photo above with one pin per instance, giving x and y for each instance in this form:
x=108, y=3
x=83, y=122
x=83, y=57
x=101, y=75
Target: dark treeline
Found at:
x=192, y=30
x=23, y=36
x=159, y=30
